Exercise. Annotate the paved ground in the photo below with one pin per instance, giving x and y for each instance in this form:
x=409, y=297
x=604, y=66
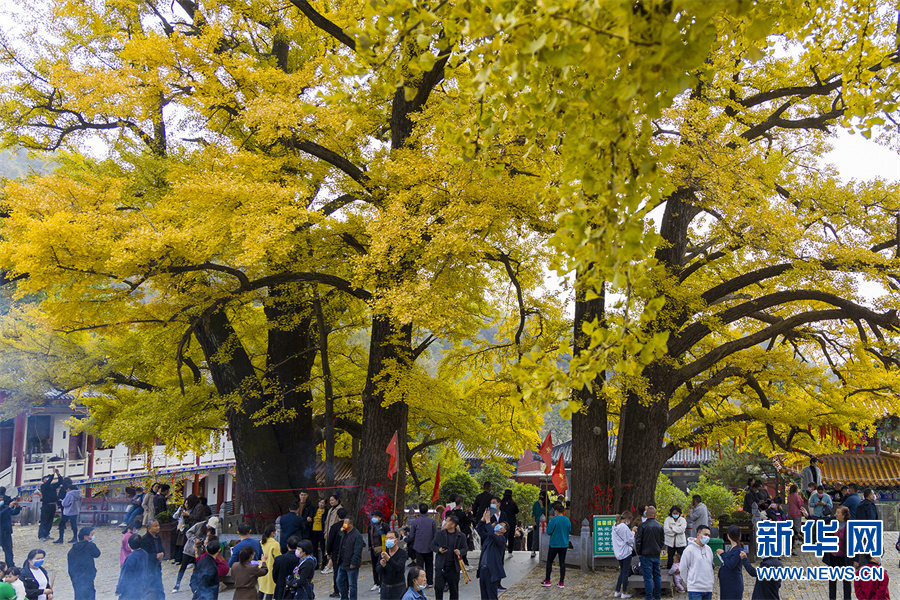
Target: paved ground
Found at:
x=109, y=539
x=523, y=580
x=602, y=582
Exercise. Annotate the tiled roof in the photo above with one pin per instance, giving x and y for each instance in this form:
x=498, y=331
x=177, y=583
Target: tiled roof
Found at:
x=479, y=454
x=343, y=471
x=865, y=469
x=686, y=457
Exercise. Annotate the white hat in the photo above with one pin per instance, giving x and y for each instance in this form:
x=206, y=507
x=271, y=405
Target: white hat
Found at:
x=213, y=522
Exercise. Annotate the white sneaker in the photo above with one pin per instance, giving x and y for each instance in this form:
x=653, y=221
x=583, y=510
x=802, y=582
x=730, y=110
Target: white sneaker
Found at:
x=616, y=594
x=375, y=588
x=625, y=596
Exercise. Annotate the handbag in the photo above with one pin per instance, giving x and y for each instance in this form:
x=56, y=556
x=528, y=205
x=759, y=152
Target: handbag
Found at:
x=293, y=584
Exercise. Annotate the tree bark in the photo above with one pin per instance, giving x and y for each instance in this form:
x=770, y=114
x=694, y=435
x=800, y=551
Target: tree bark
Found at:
x=389, y=346
x=290, y=359
x=329, y=393
x=590, y=477
x=275, y=456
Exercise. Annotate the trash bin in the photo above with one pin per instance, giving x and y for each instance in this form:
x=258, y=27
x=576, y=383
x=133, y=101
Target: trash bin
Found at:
x=716, y=544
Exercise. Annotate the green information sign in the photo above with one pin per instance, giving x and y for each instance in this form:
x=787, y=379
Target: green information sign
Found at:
x=603, y=526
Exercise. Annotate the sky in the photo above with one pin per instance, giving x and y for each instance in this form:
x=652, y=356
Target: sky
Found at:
x=859, y=158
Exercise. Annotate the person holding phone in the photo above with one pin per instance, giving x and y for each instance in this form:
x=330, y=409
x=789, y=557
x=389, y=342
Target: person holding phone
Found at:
x=246, y=572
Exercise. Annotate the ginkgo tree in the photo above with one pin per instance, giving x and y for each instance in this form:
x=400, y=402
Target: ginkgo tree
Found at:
x=769, y=303
x=250, y=172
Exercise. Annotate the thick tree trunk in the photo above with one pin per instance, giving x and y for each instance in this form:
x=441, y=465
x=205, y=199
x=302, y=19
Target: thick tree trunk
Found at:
x=641, y=449
x=590, y=477
x=290, y=360
x=389, y=356
x=272, y=456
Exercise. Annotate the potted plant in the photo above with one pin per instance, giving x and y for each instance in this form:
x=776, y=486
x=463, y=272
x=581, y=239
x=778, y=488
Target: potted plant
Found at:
x=167, y=530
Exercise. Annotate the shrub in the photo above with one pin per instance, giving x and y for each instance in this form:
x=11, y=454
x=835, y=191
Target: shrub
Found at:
x=459, y=483
x=498, y=475
x=525, y=495
x=668, y=495
x=740, y=516
x=718, y=498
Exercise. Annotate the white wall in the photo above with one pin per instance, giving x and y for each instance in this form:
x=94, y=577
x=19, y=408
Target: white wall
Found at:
x=60, y=435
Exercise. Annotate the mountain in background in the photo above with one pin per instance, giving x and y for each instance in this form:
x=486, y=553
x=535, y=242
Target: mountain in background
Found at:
x=16, y=163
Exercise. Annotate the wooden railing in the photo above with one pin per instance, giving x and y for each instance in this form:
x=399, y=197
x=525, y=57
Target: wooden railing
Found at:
x=118, y=461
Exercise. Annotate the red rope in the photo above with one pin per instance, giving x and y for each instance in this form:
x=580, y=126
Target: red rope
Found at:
x=334, y=487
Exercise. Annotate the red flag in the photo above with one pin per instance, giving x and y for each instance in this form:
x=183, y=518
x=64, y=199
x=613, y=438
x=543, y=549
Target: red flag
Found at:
x=437, y=485
x=546, y=451
x=559, y=477
x=392, y=451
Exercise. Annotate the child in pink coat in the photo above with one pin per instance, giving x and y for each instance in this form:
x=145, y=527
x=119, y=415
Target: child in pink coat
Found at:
x=675, y=572
x=126, y=549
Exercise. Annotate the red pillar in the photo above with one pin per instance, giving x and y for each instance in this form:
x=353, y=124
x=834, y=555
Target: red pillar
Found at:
x=90, y=456
x=19, y=426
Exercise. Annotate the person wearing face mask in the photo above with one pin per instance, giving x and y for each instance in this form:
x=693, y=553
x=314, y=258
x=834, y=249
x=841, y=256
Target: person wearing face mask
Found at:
x=415, y=584
x=674, y=526
x=493, y=546
x=333, y=547
x=820, y=504
x=284, y=566
x=558, y=530
x=731, y=579
x=391, y=566
x=376, y=530
x=133, y=575
x=421, y=534
x=35, y=577
x=300, y=583
x=82, y=570
x=349, y=558
x=697, y=566
x=649, y=540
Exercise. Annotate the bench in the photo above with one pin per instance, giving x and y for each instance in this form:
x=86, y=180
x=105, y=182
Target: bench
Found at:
x=636, y=582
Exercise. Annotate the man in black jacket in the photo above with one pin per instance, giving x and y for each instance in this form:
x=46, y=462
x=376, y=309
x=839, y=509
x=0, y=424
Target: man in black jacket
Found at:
x=82, y=570
x=649, y=541
x=333, y=547
x=449, y=546
x=284, y=566
x=291, y=525
x=349, y=560
x=49, y=498
x=306, y=513
x=152, y=545
x=482, y=500
x=376, y=530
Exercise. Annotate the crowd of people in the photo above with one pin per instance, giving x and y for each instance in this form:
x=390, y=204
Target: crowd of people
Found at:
x=430, y=551
x=690, y=557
